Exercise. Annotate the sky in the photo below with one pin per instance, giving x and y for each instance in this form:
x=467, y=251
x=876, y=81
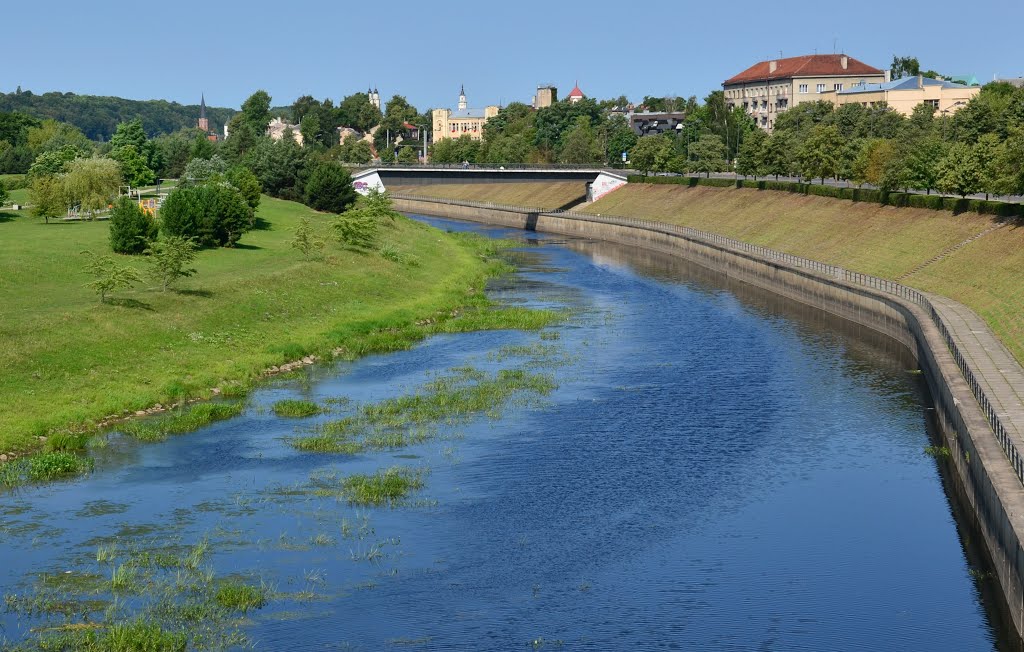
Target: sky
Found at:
x=501, y=51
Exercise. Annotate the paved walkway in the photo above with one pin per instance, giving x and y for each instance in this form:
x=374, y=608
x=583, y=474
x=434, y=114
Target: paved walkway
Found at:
x=995, y=368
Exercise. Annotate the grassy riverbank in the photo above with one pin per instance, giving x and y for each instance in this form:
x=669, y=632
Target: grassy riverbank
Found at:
x=535, y=195
x=69, y=361
x=985, y=275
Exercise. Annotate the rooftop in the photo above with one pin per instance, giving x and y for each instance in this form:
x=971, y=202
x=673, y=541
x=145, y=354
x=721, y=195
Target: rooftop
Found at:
x=904, y=84
x=810, y=65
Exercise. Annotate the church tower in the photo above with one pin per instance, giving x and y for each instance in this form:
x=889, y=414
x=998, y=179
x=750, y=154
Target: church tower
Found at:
x=462, y=98
x=204, y=123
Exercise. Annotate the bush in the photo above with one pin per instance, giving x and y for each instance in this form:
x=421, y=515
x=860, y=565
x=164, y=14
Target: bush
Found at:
x=131, y=229
x=329, y=188
x=357, y=228
x=247, y=184
x=213, y=215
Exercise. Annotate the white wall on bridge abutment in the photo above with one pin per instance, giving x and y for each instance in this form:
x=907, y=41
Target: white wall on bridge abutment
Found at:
x=604, y=184
x=363, y=183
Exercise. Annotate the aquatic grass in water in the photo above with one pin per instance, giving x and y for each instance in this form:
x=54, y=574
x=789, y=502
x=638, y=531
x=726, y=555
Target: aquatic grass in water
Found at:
x=193, y=418
x=44, y=467
x=296, y=408
x=385, y=487
x=404, y=420
x=65, y=442
x=236, y=596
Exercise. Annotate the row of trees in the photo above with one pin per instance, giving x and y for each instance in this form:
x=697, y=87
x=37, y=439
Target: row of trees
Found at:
x=978, y=149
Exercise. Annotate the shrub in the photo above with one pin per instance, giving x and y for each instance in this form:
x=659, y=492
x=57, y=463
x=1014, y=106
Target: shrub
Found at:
x=108, y=275
x=131, y=229
x=247, y=184
x=169, y=260
x=213, y=215
x=306, y=241
x=329, y=188
x=56, y=464
x=356, y=228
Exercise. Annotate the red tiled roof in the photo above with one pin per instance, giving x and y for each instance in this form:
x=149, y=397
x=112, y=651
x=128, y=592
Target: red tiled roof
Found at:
x=576, y=92
x=811, y=65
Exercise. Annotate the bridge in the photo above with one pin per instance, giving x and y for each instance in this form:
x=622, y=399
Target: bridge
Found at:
x=596, y=181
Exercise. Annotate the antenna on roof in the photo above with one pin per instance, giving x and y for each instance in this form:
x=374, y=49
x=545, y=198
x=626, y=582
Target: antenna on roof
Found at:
x=834, y=41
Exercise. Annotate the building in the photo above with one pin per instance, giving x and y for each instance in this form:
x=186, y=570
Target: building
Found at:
x=966, y=80
x=575, y=95
x=203, y=124
x=645, y=123
x=277, y=128
x=375, y=98
x=904, y=94
x=545, y=97
x=462, y=121
x=1013, y=81
x=771, y=87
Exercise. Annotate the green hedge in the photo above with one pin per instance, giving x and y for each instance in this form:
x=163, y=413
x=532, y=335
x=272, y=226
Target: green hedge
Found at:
x=14, y=181
x=884, y=197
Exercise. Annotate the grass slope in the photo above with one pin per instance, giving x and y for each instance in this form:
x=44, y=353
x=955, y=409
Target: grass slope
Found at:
x=536, y=195
x=67, y=360
x=986, y=275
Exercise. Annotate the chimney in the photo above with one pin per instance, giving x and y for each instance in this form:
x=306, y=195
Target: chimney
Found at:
x=844, y=61
x=772, y=66
x=888, y=76
x=920, y=81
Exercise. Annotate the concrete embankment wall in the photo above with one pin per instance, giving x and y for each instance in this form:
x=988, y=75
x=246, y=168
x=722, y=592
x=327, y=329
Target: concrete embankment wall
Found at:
x=986, y=479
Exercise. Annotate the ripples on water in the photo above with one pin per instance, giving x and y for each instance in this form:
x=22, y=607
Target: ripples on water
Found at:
x=719, y=470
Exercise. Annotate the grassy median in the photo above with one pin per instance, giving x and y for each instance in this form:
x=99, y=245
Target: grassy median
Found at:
x=68, y=361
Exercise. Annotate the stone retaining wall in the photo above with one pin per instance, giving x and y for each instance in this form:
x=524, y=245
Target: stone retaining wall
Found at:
x=988, y=482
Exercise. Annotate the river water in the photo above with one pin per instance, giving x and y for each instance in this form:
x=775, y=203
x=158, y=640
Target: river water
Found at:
x=718, y=469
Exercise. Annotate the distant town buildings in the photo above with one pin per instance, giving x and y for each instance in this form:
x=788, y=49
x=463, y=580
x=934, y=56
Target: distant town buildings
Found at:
x=575, y=95
x=462, y=121
x=277, y=128
x=645, y=123
x=203, y=124
x=1013, y=81
x=545, y=97
x=903, y=95
x=771, y=87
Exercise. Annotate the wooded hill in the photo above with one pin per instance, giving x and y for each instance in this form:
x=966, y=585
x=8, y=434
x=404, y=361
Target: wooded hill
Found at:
x=98, y=116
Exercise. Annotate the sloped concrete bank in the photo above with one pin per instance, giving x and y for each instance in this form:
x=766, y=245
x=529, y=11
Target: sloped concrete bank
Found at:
x=985, y=462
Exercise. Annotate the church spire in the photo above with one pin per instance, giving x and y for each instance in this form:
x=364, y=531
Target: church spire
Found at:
x=202, y=107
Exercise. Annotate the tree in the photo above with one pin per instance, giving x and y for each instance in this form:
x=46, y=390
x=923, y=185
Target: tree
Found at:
x=1010, y=172
x=92, y=183
x=329, y=188
x=959, y=172
x=355, y=111
x=199, y=171
x=579, y=144
x=708, y=154
x=904, y=67
x=618, y=138
x=779, y=154
x=455, y=150
x=134, y=171
x=170, y=259
x=407, y=154
x=750, y=160
x=874, y=163
x=820, y=154
x=51, y=135
x=213, y=214
x=986, y=153
x=131, y=229
x=355, y=150
x=279, y=166
x=131, y=134
x=3, y=193
x=650, y=153
x=247, y=184
x=48, y=197
x=356, y=228
x=921, y=162
x=306, y=241
x=108, y=275
x=55, y=161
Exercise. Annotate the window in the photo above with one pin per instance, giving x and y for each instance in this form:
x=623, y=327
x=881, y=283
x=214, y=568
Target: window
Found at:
x=821, y=88
x=803, y=88
x=837, y=87
x=932, y=103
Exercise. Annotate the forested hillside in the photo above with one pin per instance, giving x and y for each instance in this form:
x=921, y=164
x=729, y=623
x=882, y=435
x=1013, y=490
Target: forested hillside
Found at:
x=98, y=116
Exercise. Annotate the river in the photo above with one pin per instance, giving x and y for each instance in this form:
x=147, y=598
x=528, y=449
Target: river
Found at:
x=718, y=469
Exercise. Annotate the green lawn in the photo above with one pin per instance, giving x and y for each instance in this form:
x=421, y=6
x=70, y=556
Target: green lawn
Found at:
x=69, y=361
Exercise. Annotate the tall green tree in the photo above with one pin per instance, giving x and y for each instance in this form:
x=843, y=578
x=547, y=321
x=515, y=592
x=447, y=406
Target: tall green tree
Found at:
x=329, y=188
x=959, y=172
x=131, y=229
x=48, y=196
x=751, y=159
x=651, y=153
x=819, y=155
x=134, y=171
x=579, y=145
x=708, y=155
x=92, y=183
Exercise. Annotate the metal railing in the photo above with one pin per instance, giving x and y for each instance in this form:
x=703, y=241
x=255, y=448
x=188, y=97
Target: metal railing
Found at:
x=834, y=271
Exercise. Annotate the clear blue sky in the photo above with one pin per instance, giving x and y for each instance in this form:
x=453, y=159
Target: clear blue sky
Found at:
x=500, y=50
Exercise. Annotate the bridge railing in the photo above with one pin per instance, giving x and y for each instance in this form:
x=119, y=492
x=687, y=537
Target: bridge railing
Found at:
x=1002, y=435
